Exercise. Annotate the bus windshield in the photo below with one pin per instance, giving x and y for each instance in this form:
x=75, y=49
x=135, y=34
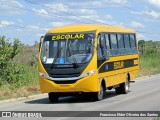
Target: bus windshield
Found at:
x=67, y=48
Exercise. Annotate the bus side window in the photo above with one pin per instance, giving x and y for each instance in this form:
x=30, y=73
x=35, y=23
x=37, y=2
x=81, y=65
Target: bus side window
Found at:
x=127, y=44
x=108, y=46
x=114, y=45
x=121, y=44
x=133, y=44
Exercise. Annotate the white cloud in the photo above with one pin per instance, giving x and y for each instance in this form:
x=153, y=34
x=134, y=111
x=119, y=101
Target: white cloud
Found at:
x=115, y=3
x=59, y=24
x=85, y=18
x=155, y=2
x=135, y=24
x=37, y=28
x=152, y=13
x=87, y=4
x=33, y=27
x=57, y=7
x=96, y=19
x=108, y=17
x=84, y=11
x=73, y=10
x=11, y=11
x=40, y=11
x=96, y=3
x=20, y=21
x=40, y=34
x=120, y=1
x=140, y=36
x=5, y=23
x=16, y=3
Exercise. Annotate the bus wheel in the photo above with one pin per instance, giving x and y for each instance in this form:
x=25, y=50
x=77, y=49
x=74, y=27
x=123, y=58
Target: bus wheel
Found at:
x=53, y=97
x=123, y=88
x=98, y=96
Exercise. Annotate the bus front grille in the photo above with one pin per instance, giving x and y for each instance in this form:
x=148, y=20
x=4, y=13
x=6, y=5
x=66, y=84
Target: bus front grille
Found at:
x=62, y=75
x=65, y=82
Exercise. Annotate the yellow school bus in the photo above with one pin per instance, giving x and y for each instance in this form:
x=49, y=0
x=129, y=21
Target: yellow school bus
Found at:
x=87, y=58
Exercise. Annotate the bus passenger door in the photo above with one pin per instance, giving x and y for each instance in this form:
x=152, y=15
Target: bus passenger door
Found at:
x=101, y=51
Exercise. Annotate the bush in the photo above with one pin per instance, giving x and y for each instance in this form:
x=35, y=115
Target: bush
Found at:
x=150, y=51
x=9, y=71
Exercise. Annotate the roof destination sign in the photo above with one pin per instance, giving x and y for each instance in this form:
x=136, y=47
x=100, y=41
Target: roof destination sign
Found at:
x=68, y=36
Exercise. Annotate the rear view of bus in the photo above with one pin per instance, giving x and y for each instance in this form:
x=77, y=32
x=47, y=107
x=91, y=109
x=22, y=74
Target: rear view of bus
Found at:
x=69, y=63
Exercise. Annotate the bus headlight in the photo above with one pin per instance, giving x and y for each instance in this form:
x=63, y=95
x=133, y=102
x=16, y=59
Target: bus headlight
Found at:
x=90, y=73
x=41, y=74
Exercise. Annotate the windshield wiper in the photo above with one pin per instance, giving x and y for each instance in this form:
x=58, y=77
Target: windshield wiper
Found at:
x=75, y=64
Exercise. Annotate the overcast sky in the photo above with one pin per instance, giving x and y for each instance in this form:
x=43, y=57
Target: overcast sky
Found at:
x=28, y=21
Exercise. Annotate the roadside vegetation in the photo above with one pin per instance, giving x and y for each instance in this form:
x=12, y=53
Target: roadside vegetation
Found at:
x=149, y=57
x=19, y=70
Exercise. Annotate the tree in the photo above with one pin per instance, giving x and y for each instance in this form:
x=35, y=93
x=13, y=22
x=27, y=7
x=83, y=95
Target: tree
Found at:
x=141, y=43
x=7, y=52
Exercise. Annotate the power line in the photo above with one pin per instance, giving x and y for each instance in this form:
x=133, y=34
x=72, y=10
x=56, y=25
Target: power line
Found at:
x=40, y=12
x=91, y=19
x=22, y=27
x=56, y=16
x=66, y=12
x=130, y=8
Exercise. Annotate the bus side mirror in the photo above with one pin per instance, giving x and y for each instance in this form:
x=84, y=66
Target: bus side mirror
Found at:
x=107, y=57
x=40, y=43
x=104, y=58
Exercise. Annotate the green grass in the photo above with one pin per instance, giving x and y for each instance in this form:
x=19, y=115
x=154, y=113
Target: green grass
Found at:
x=27, y=85
x=149, y=64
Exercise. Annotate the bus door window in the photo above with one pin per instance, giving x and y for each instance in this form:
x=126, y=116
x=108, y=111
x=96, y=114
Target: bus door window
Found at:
x=101, y=46
x=108, y=45
x=89, y=44
x=45, y=51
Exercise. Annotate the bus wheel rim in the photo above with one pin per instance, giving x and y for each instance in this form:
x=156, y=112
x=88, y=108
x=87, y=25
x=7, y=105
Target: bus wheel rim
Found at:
x=127, y=85
x=101, y=93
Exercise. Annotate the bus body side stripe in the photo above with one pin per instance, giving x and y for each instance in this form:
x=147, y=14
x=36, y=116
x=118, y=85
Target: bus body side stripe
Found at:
x=117, y=65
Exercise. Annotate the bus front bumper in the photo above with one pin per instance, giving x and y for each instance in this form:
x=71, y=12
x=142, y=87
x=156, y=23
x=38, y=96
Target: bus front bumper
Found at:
x=79, y=84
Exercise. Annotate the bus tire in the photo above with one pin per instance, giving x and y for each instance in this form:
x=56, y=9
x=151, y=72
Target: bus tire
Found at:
x=124, y=87
x=98, y=96
x=118, y=90
x=53, y=97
